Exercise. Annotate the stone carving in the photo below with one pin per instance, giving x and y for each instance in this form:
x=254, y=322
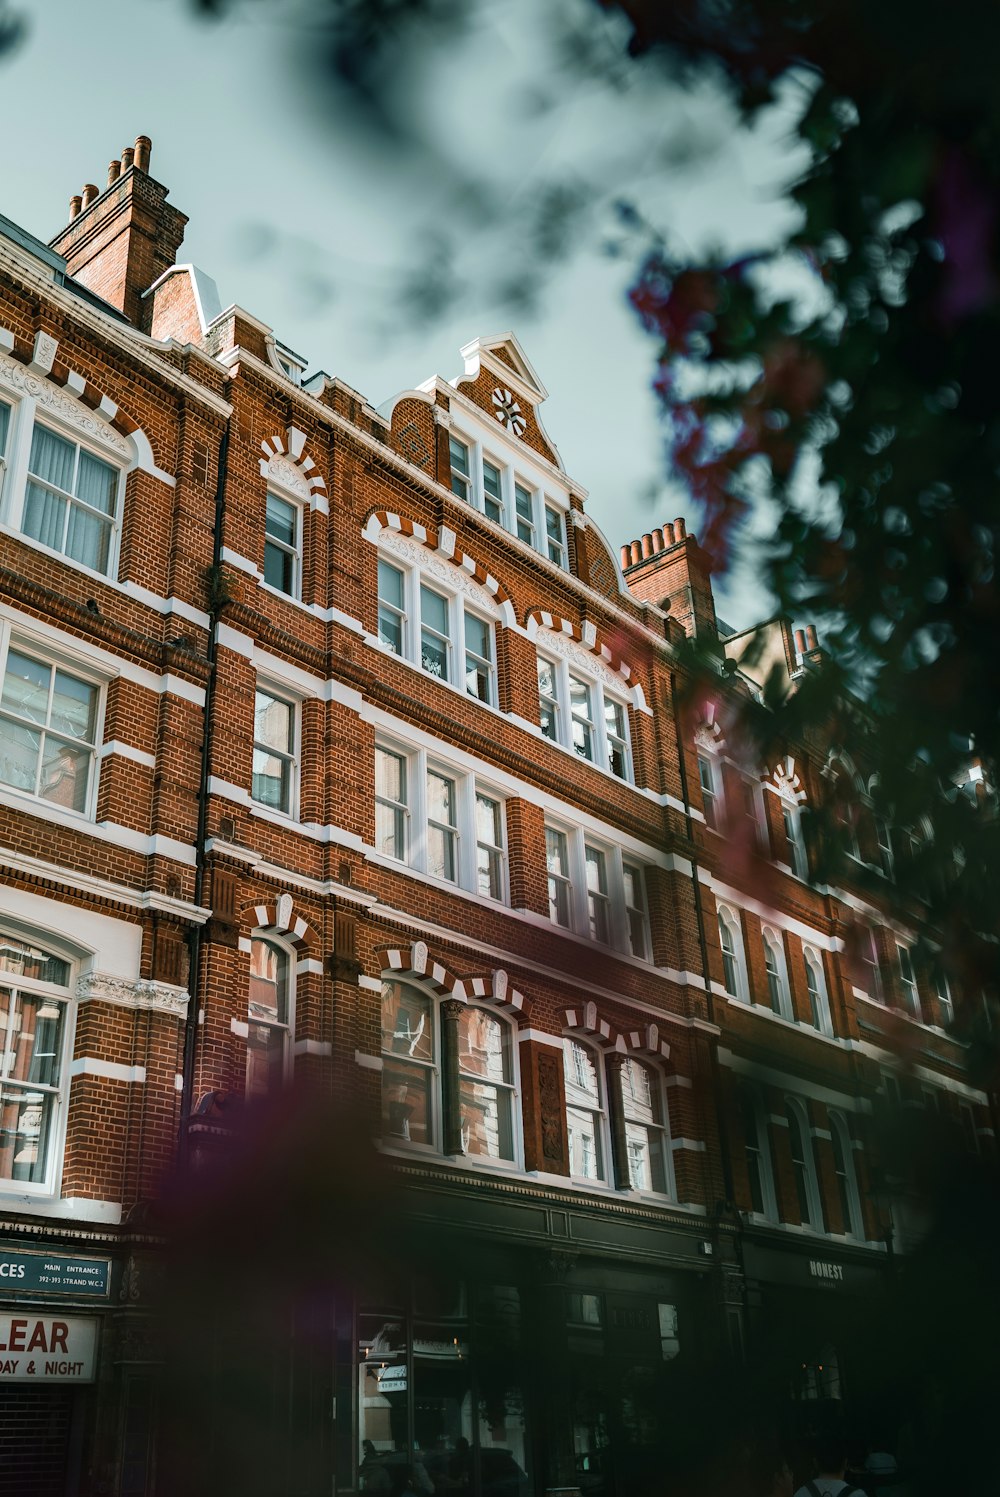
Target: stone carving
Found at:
x=577, y=654
x=550, y=1107
x=135, y=993
x=500, y=984
x=17, y=378
x=129, y=1291
x=283, y=912
x=431, y=565
x=508, y=412
x=418, y=956
x=281, y=470
x=787, y=782
x=45, y=352
x=709, y=736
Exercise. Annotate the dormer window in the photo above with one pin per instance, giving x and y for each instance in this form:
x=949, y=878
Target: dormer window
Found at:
x=291, y=366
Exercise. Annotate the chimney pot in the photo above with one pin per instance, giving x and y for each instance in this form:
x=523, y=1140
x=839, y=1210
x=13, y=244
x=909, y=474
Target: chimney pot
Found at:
x=89, y=194
x=626, y=551
x=800, y=641
x=679, y=529
x=74, y=206
x=647, y=545
x=812, y=642
x=127, y=157
x=657, y=539
x=668, y=531
x=114, y=171
x=143, y=149
x=636, y=550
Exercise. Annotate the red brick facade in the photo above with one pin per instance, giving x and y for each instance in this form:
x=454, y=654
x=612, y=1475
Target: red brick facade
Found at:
x=189, y=844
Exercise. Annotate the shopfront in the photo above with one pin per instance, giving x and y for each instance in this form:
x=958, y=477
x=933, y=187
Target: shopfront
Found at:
x=50, y=1330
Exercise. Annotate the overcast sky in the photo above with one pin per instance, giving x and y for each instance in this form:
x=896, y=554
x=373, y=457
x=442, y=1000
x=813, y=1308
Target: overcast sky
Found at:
x=315, y=227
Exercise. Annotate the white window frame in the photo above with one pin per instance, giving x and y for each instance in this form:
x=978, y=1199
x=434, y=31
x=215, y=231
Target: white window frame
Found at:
x=49, y=1185
x=908, y=981
x=45, y=655
x=27, y=411
x=873, y=965
x=511, y=1089
x=820, y=1004
x=455, y=639
x=419, y=764
x=792, y=820
x=595, y=722
x=636, y=915
x=730, y=918
x=883, y=839
x=286, y=1026
x=658, y=1101
x=946, y=1004
x=752, y=1105
x=579, y=894
x=295, y=550
x=752, y=809
x=814, y=1201
x=779, y=989
x=514, y=470
x=599, y=1114
x=432, y=1067
x=847, y=1180
x=278, y=693
x=713, y=801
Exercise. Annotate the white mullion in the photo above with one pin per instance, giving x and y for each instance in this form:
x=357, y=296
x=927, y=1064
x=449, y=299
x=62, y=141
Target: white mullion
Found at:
x=476, y=495
x=618, y=922
x=465, y=830
x=580, y=904
x=565, y=723
x=23, y=422
x=419, y=811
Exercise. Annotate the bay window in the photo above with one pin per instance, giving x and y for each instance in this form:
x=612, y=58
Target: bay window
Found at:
x=35, y=996
x=50, y=717
x=437, y=629
x=439, y=821
x=580, y=713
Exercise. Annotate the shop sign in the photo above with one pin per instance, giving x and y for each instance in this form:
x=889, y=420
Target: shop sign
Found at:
x=27, y=1273
x=47, y=1349
x=830, y=1273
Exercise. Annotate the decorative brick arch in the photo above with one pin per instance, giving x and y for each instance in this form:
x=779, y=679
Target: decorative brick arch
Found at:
x=646, y=1042
x=44, y=372
x=415, y=961
x=587, y=635
x=785, y=778
x=588, y=1023
x=280, y=917
x=289, y=448
x=496, y=989
x=441, y=542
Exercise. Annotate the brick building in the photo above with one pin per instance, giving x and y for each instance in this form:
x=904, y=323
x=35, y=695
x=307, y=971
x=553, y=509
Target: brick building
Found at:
x=341, y=756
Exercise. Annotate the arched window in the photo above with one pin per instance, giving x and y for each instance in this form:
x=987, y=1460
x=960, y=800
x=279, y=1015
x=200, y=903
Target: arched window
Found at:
x=733, y=964
x=803, y=1165
x=777, y=977
x=429, y=1056
x=847, y=1180
x=647, y=1141
x=485, y=1085
x=819, y=1003
x=34, y=1006
x=409, y=1065
x=269, y=1018
x=586, y=1118
x=794, y=836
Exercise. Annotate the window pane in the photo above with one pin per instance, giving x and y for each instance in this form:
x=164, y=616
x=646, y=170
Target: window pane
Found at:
x=407, y=1030
x=266, y=1050
x=271, y=780
x=434, y=610
x=96, y=483
x=554, y=535
x=268, y=1000
x=17, y=957
x=477, y=636
x=434, y=656
x=20, y=749
x=485, y=1112
x=459, y=467
x=492, y=492
x=488, y=820
x=390, y=585
x=52, y=458
x=583, y=735
x=74, y=707
x=524, y=506
x=406, y=1101
x=586, y=1155
x=482, y=1045
x=88, y=539
x=65, y=776
x=4, y=425
x=26, y=687
x=279, y=520
x=390, y=775
x=440, y=798
x=582, y=1084
x=279, y=568
x=272, y=722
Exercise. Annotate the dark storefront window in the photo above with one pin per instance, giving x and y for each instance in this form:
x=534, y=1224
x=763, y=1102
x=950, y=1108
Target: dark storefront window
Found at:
x=440, y=1406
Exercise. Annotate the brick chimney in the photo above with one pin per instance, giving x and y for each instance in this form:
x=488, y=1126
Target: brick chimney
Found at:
x=119, y=240
x=668, y=567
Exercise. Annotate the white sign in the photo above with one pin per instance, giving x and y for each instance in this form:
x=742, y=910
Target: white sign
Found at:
x=47, y=1348
x=829, y=1271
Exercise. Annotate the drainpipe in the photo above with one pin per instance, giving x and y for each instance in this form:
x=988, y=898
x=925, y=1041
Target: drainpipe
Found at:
x=217, y=602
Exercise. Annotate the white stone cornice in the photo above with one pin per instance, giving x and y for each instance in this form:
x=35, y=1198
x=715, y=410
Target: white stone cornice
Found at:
x=140, y=993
